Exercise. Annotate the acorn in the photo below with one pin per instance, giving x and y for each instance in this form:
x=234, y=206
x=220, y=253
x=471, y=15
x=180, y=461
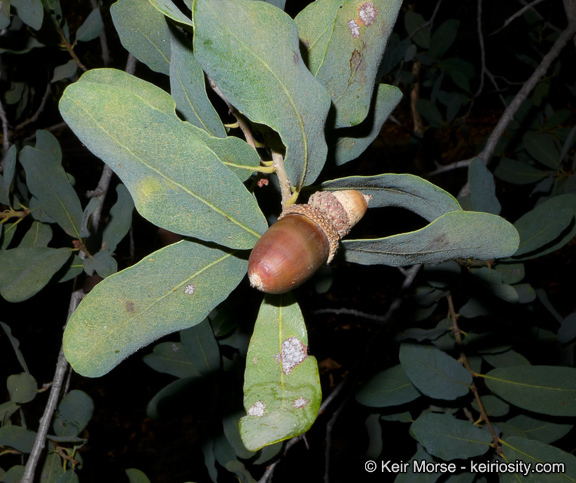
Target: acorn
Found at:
x=304, y=238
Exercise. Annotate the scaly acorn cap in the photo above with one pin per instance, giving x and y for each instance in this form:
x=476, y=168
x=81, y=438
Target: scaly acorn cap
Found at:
x=343, y=208
x=304, y=238
x=334, y=212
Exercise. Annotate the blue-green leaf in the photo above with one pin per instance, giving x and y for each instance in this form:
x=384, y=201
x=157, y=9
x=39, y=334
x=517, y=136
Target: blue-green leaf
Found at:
x=352, y=142
x=91, y=28
x=531, y=428
x=493, y=406
x=25, y=271
x=5, y=14
x=399, y=190
x=567, y=330
x=49, y=183
x=170, y=358
x=482, y=188
x=65, y=71
x=161, y=399
x=31, y=12
x=201, y=347
x=17, y=437
x=430, y=112
x=547, y=227
x=532, y=452
x=457, y=234
x=443, y=38
x=136, y=476
x=414, y=25
x=542, y=148
x=449, y=438
x=15, y=345
x=281, y=384
x=388, y=388
x=517, y=172
x=38, y=235
x=251, y=51
x=119, y=221
x=22, y=387
x=7, y=176
x=172, y=289
x=102, y=262
x=143, y=32
x=168, y=8
x=433, y=372
x=73, y=414
x=175, y=174
x=345, y=42
x=188, y=89
x=541, y=389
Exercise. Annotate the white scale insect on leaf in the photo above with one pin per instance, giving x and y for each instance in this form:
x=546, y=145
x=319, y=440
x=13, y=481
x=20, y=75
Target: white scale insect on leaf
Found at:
x=257, y=409
x=300, y=402
x=367, y=13
x=354, y=29
x=293, y=353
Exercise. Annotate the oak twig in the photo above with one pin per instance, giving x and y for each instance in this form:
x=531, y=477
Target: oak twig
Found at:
x=5, y=138
x=473, y=388
x=36, y=115
x=526, y=89
x=513, y=107
x=519, y=13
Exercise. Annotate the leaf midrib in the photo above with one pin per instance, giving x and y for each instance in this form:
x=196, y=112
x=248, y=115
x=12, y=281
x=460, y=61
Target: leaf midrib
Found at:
x=167, y=293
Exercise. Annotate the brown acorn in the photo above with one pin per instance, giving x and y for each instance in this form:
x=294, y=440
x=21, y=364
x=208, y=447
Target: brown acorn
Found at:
x=304, y=238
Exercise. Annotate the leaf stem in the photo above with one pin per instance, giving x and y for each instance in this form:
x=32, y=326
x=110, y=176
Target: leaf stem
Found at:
x=67, y=45
x=240, y=119
x=287, y=197
x=12, y=213
x=277, y=158
x=265, y=169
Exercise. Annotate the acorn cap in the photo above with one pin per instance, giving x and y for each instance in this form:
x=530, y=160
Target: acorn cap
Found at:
x=343, y=208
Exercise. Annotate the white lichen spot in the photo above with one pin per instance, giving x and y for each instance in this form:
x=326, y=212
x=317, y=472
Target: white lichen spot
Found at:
x=190, y=289
x=354, y=29
x=257, y=409
x=175, y=347
x=293, y=353
x=300, y=402
x=367, y=13
x=277, y=359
